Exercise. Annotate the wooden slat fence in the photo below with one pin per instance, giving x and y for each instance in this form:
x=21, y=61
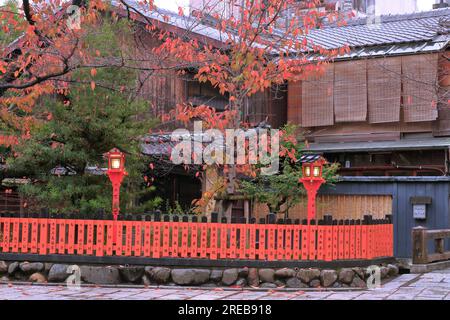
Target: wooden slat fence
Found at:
x=324, y=240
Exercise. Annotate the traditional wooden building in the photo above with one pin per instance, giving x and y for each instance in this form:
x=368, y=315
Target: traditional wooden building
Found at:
x=382, y=111
x=164, y=89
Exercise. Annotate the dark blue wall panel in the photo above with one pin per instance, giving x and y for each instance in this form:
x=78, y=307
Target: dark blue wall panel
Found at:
x=402, y=189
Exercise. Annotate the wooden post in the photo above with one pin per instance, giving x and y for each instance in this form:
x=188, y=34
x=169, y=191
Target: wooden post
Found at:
x=420, y=253
x=439, y=245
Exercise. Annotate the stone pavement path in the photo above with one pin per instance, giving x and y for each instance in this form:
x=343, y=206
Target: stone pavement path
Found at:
x=430, y=286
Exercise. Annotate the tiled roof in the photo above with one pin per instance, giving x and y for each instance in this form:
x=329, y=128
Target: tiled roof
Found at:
x=430, y=26
x=174, y=19
x=385, y=35
x=309, y=158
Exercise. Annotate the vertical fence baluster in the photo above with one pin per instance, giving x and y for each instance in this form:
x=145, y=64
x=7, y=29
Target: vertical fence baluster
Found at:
x=213, y=240
x=312, y=235
x=364, y=237
x=305, y=240
x=6, y=234
x=61, y=224
x=390, y=227
x=156, y=245
x=184, y=237
x=328, y=238
x=147, y=236
x=119, y=239
x=358, y=254
x=194, y=237
x=352, y=231
x=43, y=233
x=100, y=238
x=233, y=241
x=341, y=240
x=378, y=236
x=296, y=235
x=166, y=234
x=280, y=247
x=252, y=240
x=137, y=251
x=2, y=223
x=110, y=245
x=288, y=240
x=271, y=227
x=335, y=237
x=262, y=240
x=71, y=235
x=80, y=236
x=383, y=234
x=203, y=237
x=223, y=239
x=370, y=238
x=175, y=237
x=34, y=234
x=90, y=237
x=242, y=238
x=15, y=234
x=347, y=239
x=375, y=238
x=25, y=235
x=129, y=236
x=320, y=240
x=53, y=223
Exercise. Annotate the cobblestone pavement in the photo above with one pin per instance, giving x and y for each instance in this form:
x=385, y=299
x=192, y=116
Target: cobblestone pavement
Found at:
x=430, y=286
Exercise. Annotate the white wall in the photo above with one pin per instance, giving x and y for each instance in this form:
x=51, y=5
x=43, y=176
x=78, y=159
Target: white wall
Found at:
x=395, y=7
x=402, y=6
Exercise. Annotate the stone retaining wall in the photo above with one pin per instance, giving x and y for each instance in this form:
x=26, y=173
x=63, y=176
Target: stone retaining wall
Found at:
x=206, y=277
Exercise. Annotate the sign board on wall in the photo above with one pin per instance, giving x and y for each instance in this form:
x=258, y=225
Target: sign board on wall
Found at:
x=419, y=204
x=420, y=211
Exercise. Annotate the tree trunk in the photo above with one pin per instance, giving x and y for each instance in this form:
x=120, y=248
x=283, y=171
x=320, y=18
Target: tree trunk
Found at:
x=236, y=105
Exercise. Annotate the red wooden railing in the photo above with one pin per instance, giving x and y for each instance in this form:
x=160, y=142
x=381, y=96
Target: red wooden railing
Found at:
x=327, y=240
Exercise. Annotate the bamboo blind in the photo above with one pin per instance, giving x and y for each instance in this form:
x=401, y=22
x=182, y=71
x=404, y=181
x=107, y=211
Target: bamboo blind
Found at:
x=350, y=91
x=339, y=206
x=317, y=104
x=384, y=89
x=419, y=73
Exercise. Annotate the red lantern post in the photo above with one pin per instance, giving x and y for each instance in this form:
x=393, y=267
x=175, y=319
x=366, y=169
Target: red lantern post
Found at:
x=312, y=166
x=116, y=172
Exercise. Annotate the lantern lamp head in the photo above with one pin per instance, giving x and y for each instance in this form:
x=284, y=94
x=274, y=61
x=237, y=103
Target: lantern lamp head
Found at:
x=312, y=166
x=116, y=160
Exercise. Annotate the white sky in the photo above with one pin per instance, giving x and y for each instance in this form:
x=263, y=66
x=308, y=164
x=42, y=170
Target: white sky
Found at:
x=171, y=4
x=174, y=4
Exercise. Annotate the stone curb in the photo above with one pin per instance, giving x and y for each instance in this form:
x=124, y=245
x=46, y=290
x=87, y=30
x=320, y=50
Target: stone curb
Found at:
x=262, y=279
x=128, y=286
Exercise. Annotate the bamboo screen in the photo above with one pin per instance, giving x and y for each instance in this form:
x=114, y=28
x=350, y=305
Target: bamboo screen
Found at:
x=419, y=91
x=317, y=104
x=350, y=91
x=339, y=206
x=384, y=89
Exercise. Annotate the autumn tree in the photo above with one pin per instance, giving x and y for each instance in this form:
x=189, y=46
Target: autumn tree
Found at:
x=62, y=153
x=263, y=44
